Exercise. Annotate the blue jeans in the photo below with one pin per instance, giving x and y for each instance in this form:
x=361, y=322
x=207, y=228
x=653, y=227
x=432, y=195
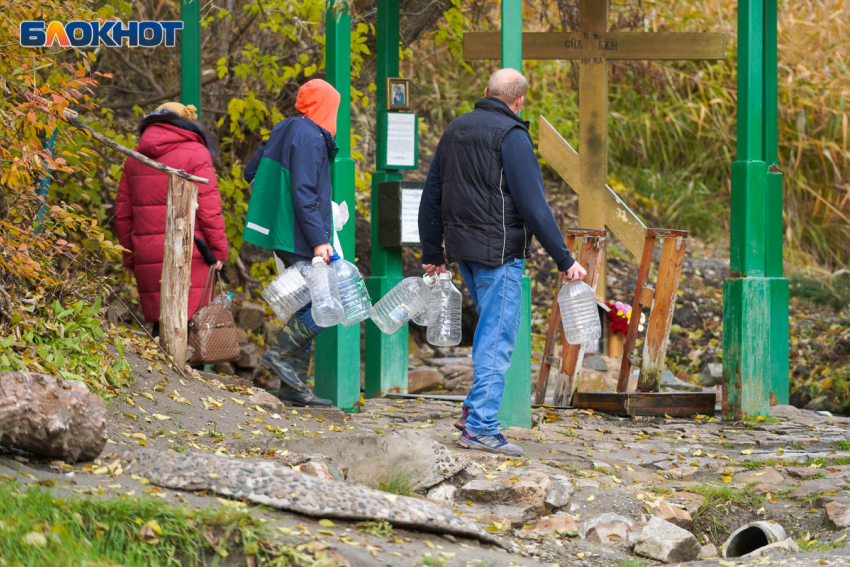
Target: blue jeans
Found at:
x=497, y=293
x=304, y=315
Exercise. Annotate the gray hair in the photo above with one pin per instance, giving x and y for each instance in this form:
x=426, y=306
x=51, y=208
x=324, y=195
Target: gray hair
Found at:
x=507, y=84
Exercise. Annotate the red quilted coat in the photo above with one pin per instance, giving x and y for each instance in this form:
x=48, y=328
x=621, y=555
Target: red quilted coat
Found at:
x=141, y=205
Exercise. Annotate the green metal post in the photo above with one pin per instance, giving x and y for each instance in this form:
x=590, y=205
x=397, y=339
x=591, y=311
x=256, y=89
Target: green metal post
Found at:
x=190, y=54
x=755, y=298
x=338, y=348
x=516, y=403
x=386, y=355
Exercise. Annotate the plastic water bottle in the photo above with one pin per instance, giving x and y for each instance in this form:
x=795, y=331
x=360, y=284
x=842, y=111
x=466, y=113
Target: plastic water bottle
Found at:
x=352, y=291
x=225, y=298
x=579, y=313
x=401, y=304
x=324, y=293
x=287, y=293
x=444, y=325
x=421, y=318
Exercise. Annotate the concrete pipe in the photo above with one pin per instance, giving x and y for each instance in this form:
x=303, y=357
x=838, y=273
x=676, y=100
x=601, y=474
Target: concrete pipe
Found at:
x=751, y=537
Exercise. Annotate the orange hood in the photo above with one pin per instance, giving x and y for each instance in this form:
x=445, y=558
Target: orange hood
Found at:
x=319, y=101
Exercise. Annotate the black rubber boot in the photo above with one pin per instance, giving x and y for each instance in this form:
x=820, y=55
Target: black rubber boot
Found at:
x=290, y=361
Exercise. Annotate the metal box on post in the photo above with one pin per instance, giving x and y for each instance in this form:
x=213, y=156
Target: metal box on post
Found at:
x=398, y=209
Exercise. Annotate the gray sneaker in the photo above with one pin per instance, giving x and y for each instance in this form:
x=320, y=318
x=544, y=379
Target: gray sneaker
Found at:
x=490, y=443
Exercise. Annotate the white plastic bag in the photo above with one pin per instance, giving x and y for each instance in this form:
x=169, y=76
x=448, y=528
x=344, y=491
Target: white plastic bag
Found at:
x=340, y=217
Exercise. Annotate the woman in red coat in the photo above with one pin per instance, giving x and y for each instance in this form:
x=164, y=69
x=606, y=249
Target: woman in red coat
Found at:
x=169, y=135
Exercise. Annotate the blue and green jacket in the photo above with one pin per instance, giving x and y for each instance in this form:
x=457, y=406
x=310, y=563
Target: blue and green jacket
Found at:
x=290, y=207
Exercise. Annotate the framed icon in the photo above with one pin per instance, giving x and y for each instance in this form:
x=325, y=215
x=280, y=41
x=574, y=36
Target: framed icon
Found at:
x=398, y=93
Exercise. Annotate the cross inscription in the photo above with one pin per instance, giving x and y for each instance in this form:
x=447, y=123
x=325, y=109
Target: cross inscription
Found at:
x=593, y=46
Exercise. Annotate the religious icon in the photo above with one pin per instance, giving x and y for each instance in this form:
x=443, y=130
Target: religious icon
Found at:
x=398, y=93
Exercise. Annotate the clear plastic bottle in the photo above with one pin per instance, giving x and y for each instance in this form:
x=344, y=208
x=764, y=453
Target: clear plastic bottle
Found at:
x=579, y=313
x=352, y=291
x=421, y=318
x=400, y=304
x=324, y=293
x=444, y=325
x=225, y=298
x=287, y=293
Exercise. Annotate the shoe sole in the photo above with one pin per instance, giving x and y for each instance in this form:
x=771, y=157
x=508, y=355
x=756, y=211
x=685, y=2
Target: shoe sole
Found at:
x=487, y=449
x=460, y=425
x=297, y=385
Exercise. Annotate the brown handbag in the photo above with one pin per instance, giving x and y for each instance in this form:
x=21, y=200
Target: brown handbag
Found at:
x=212, y=330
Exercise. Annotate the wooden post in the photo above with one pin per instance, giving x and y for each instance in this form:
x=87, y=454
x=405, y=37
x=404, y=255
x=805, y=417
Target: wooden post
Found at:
x=176, y=267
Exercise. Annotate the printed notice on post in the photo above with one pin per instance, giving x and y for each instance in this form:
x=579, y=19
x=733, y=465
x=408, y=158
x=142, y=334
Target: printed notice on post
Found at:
x=410, y=215
x=401, y=140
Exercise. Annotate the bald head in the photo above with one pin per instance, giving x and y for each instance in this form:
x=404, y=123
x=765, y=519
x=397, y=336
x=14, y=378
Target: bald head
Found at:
x=508, y=85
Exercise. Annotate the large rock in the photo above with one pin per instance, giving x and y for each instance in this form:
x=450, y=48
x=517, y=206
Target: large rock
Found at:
x=666, y=542
x=609, y=532
x=562, y=524
x=443, y=493
x=251, y=316
x=766, y=476
x=266, y=401
x=424, y=379
x=673, y=514
x=526, y=489
x=838, y=514
x=514, y=515
x=559, y=492
x=54, y=418
x=224, y=368
x=784, y=547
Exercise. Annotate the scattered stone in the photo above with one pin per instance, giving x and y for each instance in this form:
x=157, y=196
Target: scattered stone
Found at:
x=784, y=547
x=707, y=552
x=680, y=472
x=559, y=524
x=490, y=519
x=224, y=368
x=526, y=489
x=446, y=361
x=559, y=492
x=443, y=493
x=317, y=469
x=673, y=514
x=606, y=518
x=609, y=532
x=766, y=476
x=711, y=374
x=251, y=316
x=249, y=356
x=691, y=502
x=838, y=514
x=824, y=403
x=454, y=370
x=803, y=472
x=584, y=483
x=638, y=474
x=820, y=486
x=266, y=401
x=423, y=380
x=670, y=382
x=241, y=335
x=666, y=542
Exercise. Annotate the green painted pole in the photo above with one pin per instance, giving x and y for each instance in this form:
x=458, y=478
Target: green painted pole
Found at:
x=338, y=348
x=386, y=355
x=755, y=297
x=190, y=54
x=516, y=403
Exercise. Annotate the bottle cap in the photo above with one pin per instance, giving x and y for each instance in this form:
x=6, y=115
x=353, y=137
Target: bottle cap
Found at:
x=318, y=260
x=335, y=256
x=430, y=280
x=446, y=275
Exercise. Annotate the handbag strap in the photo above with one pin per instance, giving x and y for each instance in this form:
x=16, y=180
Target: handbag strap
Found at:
x=210, y=275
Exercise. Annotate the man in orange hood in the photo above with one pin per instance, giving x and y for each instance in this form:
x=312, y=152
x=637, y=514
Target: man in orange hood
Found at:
x=290, y=213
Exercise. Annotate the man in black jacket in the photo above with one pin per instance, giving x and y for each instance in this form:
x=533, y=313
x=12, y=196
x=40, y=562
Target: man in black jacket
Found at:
x=484, y=196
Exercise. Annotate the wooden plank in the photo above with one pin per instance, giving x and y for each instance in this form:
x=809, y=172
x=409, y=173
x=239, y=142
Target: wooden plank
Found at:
x=667, y=232
x=675, y=404
x=631, y=333
x=607, y=45
x=646, y=295
x=592, y=258
x=661, y=316
x=176, y=267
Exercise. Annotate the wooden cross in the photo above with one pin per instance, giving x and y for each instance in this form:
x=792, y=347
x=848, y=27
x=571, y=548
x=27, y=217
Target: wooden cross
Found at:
x=593, y=46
